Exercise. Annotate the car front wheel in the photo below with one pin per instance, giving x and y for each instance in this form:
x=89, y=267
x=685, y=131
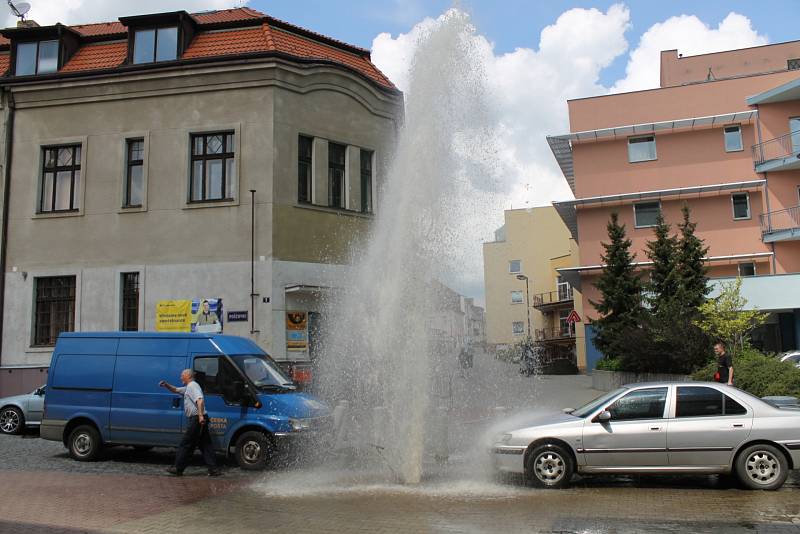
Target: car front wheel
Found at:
x=762, y=467
x=84, y=443
x=11, y=420
x=549, y=466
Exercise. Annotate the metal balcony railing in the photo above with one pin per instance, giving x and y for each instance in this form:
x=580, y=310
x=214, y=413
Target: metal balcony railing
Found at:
x=552, y=334
x=776, y=221
x=780, y=147
x=563, y=295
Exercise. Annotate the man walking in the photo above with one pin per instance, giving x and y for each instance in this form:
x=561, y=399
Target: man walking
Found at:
x=196, y=426
x=724, y=372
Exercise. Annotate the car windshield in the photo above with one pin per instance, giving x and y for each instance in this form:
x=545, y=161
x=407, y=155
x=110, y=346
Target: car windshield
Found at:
x=586, y=409
x=263, y=371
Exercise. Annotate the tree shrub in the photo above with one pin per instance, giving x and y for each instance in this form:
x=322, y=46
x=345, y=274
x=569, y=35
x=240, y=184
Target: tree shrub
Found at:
x=759, y=374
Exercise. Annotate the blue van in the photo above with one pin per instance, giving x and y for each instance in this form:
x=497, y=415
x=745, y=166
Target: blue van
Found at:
x=102, y=389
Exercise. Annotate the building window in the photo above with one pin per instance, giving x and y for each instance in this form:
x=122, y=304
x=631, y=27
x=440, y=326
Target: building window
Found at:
x=747, y=269
x=55, y=308
x=515, y=266
x=134, y=176
x=366, y=181
x=564, y=289
x=793, y=64
x=641, y=148
x=741, y=205
x=645, y=214
x=129, y=316
x=158, y=44
x=518, y=328
x=565, y=328
x=336, y=175
x=517, y=297
x=213, y=167
x=304, y=168
x=61, y=177
x=37, y=58
x=733, y=138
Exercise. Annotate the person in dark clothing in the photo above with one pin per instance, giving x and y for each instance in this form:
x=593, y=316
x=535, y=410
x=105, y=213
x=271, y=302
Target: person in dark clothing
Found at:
x=724, y=372
x=196, y=426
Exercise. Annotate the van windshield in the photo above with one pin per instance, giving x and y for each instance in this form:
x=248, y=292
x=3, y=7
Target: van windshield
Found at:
x=263, y=371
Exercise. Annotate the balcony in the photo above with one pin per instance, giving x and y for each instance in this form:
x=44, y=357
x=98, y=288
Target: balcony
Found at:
x=554, y=334
x=781, y=225
x=779, y=154
x=553, y=299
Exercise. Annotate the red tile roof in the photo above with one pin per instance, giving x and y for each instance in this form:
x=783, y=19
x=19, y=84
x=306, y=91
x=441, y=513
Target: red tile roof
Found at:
x=5, y=62
x=227, y=15
x=266, y=35
x=97, y=56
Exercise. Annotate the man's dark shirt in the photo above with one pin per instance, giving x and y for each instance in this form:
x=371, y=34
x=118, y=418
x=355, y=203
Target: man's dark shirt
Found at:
x=723, y=367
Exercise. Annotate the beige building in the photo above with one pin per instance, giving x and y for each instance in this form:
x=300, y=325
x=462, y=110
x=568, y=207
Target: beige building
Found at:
x=180, y=156
x=532, y=243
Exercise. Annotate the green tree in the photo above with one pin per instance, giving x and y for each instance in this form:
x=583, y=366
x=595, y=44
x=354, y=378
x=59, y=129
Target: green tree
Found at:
x=662, y=251
x=692, y=271
x=725, y=318
x=620, y=305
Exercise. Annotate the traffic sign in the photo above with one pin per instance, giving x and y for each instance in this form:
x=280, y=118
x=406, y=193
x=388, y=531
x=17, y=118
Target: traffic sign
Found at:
x=573, y=317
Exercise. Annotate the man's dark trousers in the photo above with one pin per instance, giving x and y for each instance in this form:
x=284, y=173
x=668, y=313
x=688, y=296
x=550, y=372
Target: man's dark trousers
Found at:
x=196, y=434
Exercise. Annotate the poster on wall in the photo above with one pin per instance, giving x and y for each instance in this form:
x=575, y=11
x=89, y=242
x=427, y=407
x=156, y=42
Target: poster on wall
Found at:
x=296, y=331
x=196, y=315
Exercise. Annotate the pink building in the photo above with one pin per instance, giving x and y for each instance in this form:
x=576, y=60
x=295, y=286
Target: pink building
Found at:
x=722, y=134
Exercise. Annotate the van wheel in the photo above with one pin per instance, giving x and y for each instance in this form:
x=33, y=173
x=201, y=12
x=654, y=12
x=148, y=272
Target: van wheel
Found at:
x=253, y=449
x=762, y=467
x=84, y=443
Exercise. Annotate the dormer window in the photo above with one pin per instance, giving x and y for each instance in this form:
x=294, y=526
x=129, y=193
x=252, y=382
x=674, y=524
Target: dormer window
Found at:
x=155, y=44
x=39, y=57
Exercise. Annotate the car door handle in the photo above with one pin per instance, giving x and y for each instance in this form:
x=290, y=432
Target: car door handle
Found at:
x=176, y=402
x=655, y=428
x=738, y=425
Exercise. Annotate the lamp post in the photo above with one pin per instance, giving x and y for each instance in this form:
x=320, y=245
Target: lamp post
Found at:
x=527, y=302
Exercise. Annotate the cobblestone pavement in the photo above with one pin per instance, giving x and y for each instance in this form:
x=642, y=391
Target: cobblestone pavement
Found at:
x=43, y=490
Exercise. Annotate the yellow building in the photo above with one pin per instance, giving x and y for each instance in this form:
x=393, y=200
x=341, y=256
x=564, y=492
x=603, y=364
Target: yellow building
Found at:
x=532, y=244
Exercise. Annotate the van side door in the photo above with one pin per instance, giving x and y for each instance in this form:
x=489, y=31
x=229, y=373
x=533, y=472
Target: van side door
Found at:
x=218, y=379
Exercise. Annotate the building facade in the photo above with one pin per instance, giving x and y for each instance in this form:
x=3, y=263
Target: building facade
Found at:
x=721, y=134
x=224, y=156
x=533, y=243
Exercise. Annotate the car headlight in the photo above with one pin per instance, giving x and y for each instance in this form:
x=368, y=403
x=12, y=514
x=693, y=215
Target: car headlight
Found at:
x=504, y=438
x=299, y=424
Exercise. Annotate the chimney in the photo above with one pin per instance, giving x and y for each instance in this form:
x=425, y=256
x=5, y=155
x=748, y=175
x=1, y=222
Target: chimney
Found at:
x=22, y=23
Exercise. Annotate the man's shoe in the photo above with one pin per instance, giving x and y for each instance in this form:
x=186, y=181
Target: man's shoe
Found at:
x=214, y=472
x=174, y=471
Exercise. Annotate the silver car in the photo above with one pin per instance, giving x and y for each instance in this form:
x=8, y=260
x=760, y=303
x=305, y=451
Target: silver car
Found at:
x=666, y=428
x=21, y=410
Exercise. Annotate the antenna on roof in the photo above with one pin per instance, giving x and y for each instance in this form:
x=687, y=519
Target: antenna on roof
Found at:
x=19, y=9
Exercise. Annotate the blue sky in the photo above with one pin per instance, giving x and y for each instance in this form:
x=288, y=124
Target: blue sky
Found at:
x=510, y=24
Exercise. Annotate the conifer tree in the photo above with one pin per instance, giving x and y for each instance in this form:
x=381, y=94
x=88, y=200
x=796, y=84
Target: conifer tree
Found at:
x=692, y=271
x=620, y=289
x=663, y=283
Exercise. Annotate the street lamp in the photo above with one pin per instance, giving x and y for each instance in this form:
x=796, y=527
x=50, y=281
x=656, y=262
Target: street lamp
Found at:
x=527, y=302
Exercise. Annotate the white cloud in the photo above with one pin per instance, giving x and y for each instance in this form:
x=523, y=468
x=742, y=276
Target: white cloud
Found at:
x=47, y=12
x=690, y=36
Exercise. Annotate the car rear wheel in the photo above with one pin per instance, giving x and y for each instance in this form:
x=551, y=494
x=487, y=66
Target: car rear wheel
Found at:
x=762, y=467
x=84, y=443
x=253, y=450
x=11, y=420
x=549, y=466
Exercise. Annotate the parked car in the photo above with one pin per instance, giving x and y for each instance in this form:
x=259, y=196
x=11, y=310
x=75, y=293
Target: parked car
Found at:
x=103, y=389
x=667, y=428
x=21, y=411
x=782, y=401
x=791, y=356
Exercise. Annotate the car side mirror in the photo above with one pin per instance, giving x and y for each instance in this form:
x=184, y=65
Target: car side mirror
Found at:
x=39, y=392
x=603, y=417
